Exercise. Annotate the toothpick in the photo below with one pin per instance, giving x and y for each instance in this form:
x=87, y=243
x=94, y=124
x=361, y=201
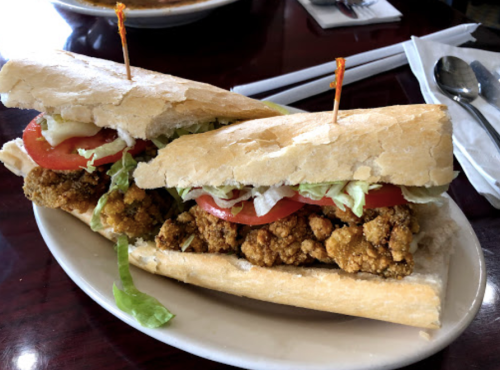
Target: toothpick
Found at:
x=337, y=84
x=120, y=7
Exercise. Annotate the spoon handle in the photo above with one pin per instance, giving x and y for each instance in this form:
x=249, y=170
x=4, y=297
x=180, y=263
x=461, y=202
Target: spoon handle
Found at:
x=493, y=134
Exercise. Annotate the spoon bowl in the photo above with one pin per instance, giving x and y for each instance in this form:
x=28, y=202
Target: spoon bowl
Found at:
x=457, y=80
x=456, y=77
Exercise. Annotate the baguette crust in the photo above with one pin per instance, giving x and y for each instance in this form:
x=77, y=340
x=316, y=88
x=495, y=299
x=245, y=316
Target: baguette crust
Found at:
x=94, y=90
x=404, y=145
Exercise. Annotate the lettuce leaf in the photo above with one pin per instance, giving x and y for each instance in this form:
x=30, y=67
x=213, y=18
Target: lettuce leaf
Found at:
x=315, y=191
x=198, y=128
x=120, y=173
x=187, y=243
x=357, y=190
x=339, y=197
x=148, y=311
x=223, y=192
x=276, y=107
x=101, y=151
x=416, y=194
x=237, y=209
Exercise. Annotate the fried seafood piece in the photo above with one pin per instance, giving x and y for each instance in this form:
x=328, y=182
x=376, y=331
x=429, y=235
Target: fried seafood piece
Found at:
x=346, y=216
x=391, y=227
x=210, y=234
x=220, y=235
x=174, y=234
x=286, y=241
x=69, y=190
x=349, y=248
x=137, y=213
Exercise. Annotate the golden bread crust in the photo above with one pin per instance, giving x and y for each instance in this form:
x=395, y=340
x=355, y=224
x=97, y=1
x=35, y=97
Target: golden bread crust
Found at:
x=404, y=145
x=94, y=90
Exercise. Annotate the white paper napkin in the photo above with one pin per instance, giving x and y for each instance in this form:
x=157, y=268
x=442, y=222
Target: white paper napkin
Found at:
x=473, y=148
x=330, y=16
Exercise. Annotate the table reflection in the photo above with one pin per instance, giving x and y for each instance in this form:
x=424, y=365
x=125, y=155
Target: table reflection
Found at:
x=41, y=28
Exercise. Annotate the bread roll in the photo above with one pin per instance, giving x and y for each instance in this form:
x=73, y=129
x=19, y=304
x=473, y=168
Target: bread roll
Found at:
x=403, y=145
x=94, y=90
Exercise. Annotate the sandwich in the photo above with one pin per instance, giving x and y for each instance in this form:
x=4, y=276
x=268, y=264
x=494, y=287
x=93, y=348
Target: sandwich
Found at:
x=298, y=210
x=288, y=209
x=91, y=115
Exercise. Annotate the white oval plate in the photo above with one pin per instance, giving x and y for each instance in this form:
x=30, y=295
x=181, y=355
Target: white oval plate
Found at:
x=149, y=18
x=257, y=335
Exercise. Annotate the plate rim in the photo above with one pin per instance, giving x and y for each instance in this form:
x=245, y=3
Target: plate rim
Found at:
x=83, y=8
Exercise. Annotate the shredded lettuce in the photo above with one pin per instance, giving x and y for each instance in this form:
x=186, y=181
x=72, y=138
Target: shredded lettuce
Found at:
x=187, y=243
x=198, y=128
x=95, y=221
x=223, y=192
x=265, y=200
x=148, y=311
x=237, y=209
x=101, y=151
x=357, y=190
x=350, y=194
x=276, y=107
x=178, y=200
x=120, y=173
x=161, y=141
x=183, y=192
x=315, y=191
x=339, y=197
x=415, y=194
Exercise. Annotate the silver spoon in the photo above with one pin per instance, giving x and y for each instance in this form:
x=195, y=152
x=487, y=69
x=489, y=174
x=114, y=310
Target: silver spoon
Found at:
x=457, y=81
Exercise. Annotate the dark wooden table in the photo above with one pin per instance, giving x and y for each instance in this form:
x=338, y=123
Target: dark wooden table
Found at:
x=47, y=322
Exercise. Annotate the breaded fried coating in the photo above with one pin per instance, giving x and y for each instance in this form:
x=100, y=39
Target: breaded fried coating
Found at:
x=221, y=236
x=173, y=235
x=347, y=216
x=316, y=250
x=377, y=243
x=68, y=190
x=137, y=213
x=353, y=253
x=321, y=227
x=279, y=242
x=391, y=227
x=211, y=234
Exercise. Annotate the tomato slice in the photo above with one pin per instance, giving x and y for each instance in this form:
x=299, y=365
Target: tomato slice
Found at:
x=386, y=196
x=65, y=155
x=285, y=207
x=322, y=202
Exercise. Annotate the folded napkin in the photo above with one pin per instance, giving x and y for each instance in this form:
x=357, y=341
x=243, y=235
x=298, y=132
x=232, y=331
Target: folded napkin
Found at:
x=473, y=148
x=329, y=16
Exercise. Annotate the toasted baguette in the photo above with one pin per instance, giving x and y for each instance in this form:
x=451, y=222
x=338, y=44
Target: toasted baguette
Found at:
x=415, y=300
x=94, y=90
x=403, y=145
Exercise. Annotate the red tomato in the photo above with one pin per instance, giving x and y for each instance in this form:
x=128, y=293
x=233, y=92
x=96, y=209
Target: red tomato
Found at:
x=322, y=202
x=65, y=155
x=387, y=196
x=285, y=207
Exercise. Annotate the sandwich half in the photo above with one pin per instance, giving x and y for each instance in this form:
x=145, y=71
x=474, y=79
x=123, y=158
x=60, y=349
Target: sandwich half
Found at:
x=293, y=210
x=344, y=217
x=92, y=117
